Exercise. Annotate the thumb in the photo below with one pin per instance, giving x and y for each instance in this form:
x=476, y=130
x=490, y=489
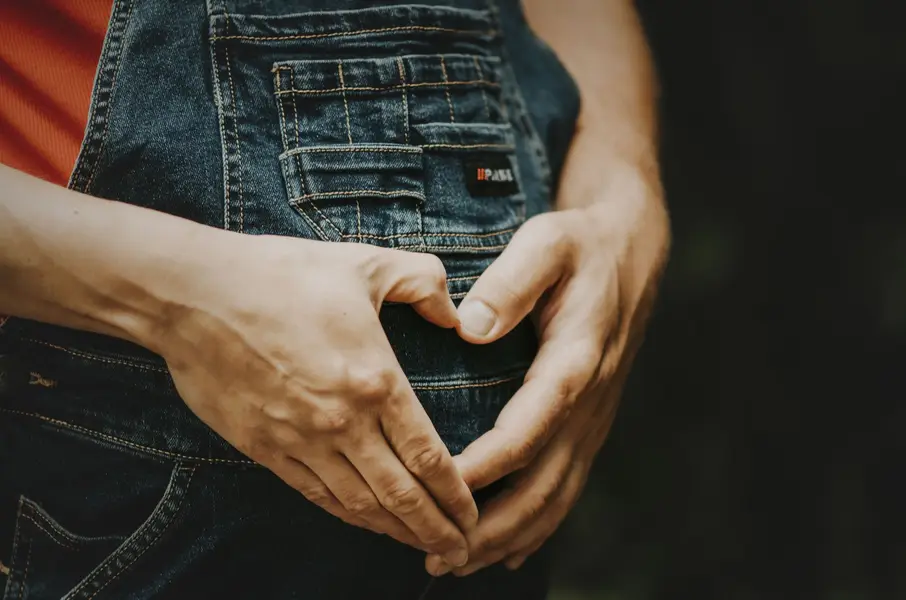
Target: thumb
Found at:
x=507, y=291
x=417, y=279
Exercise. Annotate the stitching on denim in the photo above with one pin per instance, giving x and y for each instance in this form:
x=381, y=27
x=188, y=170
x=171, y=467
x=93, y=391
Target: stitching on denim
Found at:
x=421, y=226
x=375, y=148
x=463, y=278
x=132, y=445
x=282, y=114
x=381, y=88
x=405, y=94
x=97, y=358
x=109, y=104
x=326, y=219
x=542, y=161
x=484, y=96
x=150, y=544
x=358, y=213
x=52, y=536
x=346, y=193
x=310, y=221
x=292, y=84
x=443, y=70
x=313, y=36
x=25, y=574
x=71, y=541
x=466, y=235
x=94, y=106
x=234, y=109
x=442, y=248
x=15, y=550
x=345, y=102
x=358, y=205
x=463, y=386
x=467, y=146
x=303, y=208
x=215, y=74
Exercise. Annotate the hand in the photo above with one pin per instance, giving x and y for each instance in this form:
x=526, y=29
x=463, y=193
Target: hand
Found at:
x=517, y=522
x=590, y=279
x=279, y=349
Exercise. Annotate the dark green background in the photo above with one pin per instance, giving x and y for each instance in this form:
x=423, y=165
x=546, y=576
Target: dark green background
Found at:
x=759, y=452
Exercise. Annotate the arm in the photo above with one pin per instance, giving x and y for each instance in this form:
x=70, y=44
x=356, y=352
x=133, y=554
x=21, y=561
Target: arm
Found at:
x=337, y=420
x=92, y=264
x=587, y=272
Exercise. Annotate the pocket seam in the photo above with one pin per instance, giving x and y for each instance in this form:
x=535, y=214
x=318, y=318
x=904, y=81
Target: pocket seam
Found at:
x=354, y=193
x=314, y=36
x=140, y=538
x=383, y=88
x=148, y=450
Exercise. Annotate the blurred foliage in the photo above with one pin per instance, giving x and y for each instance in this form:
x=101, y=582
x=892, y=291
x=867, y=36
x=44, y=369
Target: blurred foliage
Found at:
x=759, y=452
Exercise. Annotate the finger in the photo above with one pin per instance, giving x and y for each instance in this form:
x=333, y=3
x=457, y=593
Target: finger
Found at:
x=415, y=441
x=532, y=538
x=404, y=497
x=515, y=562
x=357, y=499
x=413, y=278
x=561, y=371
x=507, y=291
x=303, y=480
x=519, y=509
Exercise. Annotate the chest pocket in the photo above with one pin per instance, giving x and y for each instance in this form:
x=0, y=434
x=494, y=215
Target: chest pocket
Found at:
x=394, y=124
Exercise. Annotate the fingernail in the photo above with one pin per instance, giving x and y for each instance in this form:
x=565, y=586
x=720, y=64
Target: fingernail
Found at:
x=476, y=317
x=457, y=558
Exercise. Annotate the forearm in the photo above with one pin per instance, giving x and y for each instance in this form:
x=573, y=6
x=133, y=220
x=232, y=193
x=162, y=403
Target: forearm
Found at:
x=602, y=44
x=86, y=263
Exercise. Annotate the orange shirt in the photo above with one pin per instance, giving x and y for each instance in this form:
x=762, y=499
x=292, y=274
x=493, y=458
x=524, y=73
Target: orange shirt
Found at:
x=49, y=51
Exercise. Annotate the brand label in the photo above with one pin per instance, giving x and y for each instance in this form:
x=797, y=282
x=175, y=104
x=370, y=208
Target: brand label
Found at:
x=490, y=175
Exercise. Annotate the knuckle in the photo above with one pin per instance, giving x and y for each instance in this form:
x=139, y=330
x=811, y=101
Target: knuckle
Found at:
x=361, y=505
x=535, y=505
x=435, y=272
x=285, y=436
x=332, y=420
x=427, y=462
x=519, y=453
x=316, y=494
x=438, y=540
x=368, y=261
x=403, y=499
x=278, y=411
x=550, y=232
x=567, y=390
x=494, y=544
x=369, y=383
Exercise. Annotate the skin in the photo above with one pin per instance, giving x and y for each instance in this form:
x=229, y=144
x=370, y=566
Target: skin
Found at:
x=321, y=400
x=586, y=273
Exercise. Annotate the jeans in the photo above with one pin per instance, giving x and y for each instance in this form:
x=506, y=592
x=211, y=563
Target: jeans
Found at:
x=437, y=127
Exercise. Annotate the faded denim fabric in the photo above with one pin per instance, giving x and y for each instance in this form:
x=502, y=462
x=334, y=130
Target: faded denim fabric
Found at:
x=344, y=121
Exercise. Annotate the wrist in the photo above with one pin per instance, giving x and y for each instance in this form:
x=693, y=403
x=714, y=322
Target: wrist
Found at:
x=168, y=284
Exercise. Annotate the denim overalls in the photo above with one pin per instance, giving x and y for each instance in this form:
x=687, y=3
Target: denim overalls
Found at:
x=438, y=127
